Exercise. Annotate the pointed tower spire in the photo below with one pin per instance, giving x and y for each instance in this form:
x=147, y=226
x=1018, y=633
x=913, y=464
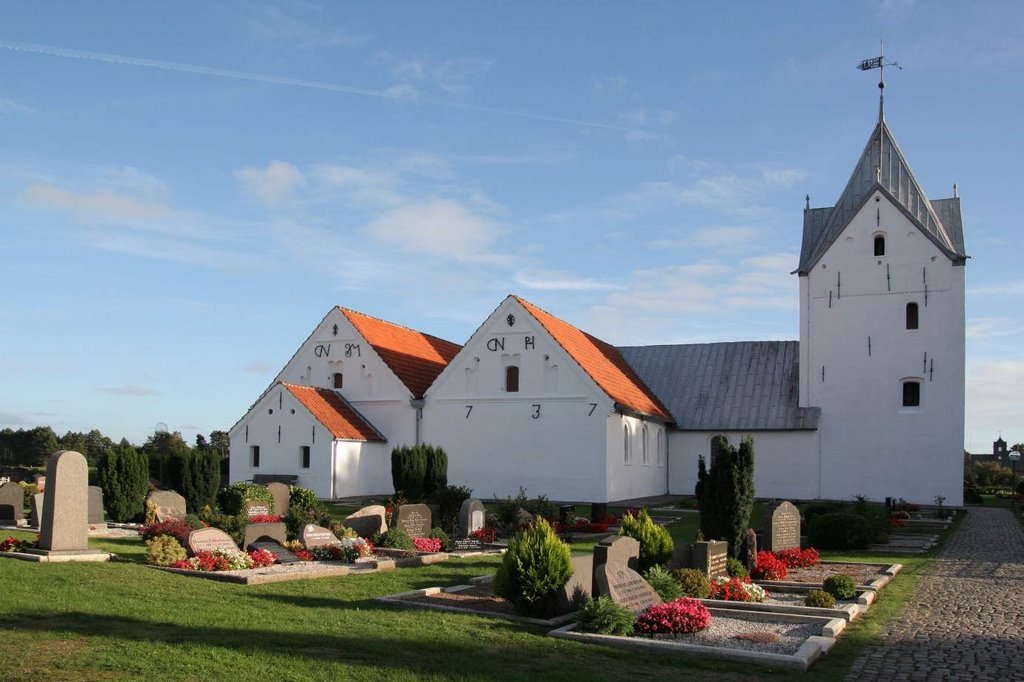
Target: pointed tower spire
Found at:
x=881, y=82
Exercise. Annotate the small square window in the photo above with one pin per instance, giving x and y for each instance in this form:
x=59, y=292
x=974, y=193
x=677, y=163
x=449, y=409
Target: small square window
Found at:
x=911, y=394
x=254, y=455
x=512, y=379
x=305, y=456
x=338, y=380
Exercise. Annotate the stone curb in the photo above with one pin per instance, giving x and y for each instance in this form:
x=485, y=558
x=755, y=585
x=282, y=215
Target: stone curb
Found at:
x=402, y=599
x=91, y=557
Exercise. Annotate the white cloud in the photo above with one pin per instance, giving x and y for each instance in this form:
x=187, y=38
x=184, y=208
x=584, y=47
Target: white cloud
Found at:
x=273, y=24
x=438, y=227
x=1013, y=287
x=994, y=399
x=449, y=75
x=988, y=328
x=547, y=280
x=98, y=205
x=10, y=106
x=271, y=185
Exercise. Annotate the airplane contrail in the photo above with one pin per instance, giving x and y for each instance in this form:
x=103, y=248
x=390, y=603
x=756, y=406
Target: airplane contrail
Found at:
x=284, y=80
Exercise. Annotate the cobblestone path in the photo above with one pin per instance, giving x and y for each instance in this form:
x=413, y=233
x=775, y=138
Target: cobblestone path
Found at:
x=965, y=620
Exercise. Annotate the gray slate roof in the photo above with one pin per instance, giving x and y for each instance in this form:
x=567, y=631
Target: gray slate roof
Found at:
x=737, y=386
x=882, y=166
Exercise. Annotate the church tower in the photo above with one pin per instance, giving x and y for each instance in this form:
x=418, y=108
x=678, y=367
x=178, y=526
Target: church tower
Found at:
x=882, y=333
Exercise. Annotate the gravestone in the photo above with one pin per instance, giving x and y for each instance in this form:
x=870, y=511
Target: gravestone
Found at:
x=65, y=526
x=272, y=531
x=467, y=545
x=283, y=555
x=367, y=521
x=210, y=539
x=168, y=504
x=36, y=510
x=257, y=508
x=318, y=536
x=472, y=516
x=581, y=580
x=524, y=518
x=12, y=503
x=96, y=507
x=619, y=549
x=783, y=528
x=598, y=511
x=626, y=587
x=710, y=557
x=282, y=497
x=414, y=519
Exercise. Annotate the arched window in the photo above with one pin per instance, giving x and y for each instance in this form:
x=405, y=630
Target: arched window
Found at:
x=338, y=380
x=911, y=316
x=879, y=245
x=512, y=379
x=912, y=393
x=645, y=458
x=626, y=459
x=660, y=455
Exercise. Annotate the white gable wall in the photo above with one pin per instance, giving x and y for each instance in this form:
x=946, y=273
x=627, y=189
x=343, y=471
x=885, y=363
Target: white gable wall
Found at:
x=361, y=468
x=280, y=425
x=870, y=443
x=549, y=437
x=630, y=474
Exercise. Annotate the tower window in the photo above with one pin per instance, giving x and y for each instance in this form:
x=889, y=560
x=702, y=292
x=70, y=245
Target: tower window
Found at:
x=304, y=451
x=911, y=394
x=512, y=379
x=338, y=380
x=254, y=456
x=627, y=456
x=644, y=457
x=879, y=245
x=911, y=316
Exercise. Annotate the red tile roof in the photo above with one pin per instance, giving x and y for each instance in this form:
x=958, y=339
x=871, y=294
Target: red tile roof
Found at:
x=603, y=363
x=334, y=412
x=415, y=358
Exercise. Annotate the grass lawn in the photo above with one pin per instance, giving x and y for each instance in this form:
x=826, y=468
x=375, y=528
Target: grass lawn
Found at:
x=121, y=621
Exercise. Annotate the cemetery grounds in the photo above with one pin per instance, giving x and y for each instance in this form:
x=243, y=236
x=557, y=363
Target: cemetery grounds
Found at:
x=124, y=621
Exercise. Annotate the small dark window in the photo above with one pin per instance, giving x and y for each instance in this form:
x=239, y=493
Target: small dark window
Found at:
x=512, y=379
x=911, y=316
x=305, y=456
x=254, y=452
x=879, y=245
x=911, y=394
x=337, y=380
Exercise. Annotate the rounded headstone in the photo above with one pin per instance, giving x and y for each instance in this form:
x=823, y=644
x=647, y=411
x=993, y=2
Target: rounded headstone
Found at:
x=65, y=524
x=626, y=587
x=318, y=536
x=169, y=505
x=210, y=539
x=414, y=519
x=367, y=521
x=282, y=493
x=12, y=503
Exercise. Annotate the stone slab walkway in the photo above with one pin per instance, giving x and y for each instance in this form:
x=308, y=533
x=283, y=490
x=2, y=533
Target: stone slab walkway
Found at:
x=965, y=620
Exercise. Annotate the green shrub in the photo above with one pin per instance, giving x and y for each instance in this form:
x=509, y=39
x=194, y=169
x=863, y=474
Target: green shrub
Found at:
x=655, y=542
x=664, y=583
x=164, y=550
x=232, y=499
x=446, y=543
x=449, y=501
x=124, y=477
x=840, y=530
x=435, y=474
x=536, y=566
x=693, y=582
x=233, y=525
x=508, y=509
x=408, y=471
x=395, y=538
x=604, y=617
x=194, y=521
x=541, y=506
x=840, y=586
x=304, y=508
x=735, y=568
x=200, y=478
x=820, y=599
x=726, y=493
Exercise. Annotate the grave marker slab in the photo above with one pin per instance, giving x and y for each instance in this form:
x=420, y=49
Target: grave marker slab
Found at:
x=367, y=521
x=710, y=557
x=36, y=510
x=12, y=503
x=626, y=587
x=783, y=528
x=282, y=497
x=271, y=531
x=257, y=508
x=65, y=526
x=210, y=539
x=169, y=505
x=414, y=519
x=467, y=545
x=96, y=506
x=472, y=516
x=582, y=579
x=318, y=536
x=283, y=555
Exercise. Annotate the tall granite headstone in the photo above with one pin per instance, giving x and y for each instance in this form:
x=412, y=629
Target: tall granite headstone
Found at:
x=282, y=497
x=619, y=549
x=169, y=505
x=12, y=503
x=710, y=557
x=367, y=521
x=581, y=581
x=783, y=528
x=96, y=518
x=414, y=519
x=472, y=516
x=65, y=526
x=626, y=587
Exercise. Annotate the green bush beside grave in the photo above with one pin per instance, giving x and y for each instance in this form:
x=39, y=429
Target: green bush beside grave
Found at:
x=820, y=599
x=664, y=583
x=840, y=530
x=603, y=616
x=124, y=477
x=840, y=586
x=725, y=492
x=305, y=508
x=694, y=582
x=232, y=499
x=536, y=566
x=655, y=542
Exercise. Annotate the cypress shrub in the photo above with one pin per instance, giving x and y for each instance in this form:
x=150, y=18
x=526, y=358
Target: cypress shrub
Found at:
x=725, y=493
x=200, y=478
x=449, y=501
x=408, y=471
x=435, y=477
x=656, y=543
x=536, y=566
x=124, y=476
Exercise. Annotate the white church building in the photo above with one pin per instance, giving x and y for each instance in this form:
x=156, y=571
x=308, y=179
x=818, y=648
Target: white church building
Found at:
x=869, y=401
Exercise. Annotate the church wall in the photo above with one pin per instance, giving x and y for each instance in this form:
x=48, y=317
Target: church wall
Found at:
x=871, y=444
x=636, y=476
x=785, y=462
x=361, y=468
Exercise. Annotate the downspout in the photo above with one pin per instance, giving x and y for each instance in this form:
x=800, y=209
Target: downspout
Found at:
x=417, y=404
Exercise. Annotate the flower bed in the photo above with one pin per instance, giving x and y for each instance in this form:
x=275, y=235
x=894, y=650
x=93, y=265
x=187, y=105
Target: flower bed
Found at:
x=737, y=589
x=12, y=544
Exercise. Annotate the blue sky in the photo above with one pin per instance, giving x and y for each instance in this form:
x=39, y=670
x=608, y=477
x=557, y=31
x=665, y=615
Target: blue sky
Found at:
x=187, y=188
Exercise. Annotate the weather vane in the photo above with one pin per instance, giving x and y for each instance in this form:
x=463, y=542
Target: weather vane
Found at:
x=880, y=64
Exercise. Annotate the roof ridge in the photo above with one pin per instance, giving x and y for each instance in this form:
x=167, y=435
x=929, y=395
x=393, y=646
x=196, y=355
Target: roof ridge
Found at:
x=343, y=309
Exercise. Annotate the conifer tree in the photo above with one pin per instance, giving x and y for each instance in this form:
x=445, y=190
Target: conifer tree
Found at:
x=725, y=493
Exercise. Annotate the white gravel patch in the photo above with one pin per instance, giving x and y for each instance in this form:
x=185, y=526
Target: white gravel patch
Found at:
x=723, y=630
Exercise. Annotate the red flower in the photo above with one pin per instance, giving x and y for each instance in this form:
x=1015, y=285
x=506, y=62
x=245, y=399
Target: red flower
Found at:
x=677, y=617
x=266, y=518
x=304, y=554
x=485, y=534
x=427, y=544
x=262, y=557
x=769, y=567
